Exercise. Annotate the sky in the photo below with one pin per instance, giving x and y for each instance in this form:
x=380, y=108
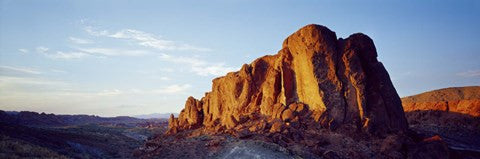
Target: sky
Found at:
x=119, y=57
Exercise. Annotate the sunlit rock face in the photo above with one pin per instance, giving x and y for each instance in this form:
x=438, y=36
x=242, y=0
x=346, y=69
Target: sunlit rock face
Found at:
x=314, y=77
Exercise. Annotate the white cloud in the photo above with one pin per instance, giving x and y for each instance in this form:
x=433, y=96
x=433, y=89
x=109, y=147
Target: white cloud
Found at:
x=93, y=31
x=23, y=50
x=80, y=41
x=67, y=56
x=60, y=54
x=89, y=52
x=113, y=92
x=19, y=69
x=187, y=60
x=113, y=52
x=173, y=89
x=144, y=39
x=218, y=69
x=41, y=49
x=470, y=73
x=198, y=66
x=22, y=81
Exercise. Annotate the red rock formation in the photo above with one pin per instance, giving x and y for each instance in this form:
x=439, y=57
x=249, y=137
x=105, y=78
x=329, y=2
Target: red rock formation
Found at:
x=463, y=100
x=314, y=77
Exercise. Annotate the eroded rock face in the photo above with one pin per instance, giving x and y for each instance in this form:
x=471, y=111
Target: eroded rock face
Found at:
x=314, y=77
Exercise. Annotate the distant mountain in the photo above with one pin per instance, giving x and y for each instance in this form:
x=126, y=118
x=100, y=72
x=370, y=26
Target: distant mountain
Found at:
x=463, y=100
x=155, y=116
x=28, y=118
x=446, y=94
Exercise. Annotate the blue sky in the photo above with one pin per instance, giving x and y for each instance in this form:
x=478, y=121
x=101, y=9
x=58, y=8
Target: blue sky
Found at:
x=137, y=57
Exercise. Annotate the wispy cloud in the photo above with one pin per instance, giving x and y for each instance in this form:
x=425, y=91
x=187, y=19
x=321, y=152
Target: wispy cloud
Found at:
x=79, y=53
x=144, y=39
x=470, y=73
x=60, y=54
x=198, y=66
x=23, y=50
x=67, y=55
x=173, y=89
x=23, y=81
x=80, y=41
x=217, y=69
x=95, y=32
x=113, y=52
x=113, y=92
x=41, y=49
x=19, y=69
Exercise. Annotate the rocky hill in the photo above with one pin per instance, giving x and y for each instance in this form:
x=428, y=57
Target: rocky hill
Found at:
x=29, y=118
x=463, y=100
x=318, y=97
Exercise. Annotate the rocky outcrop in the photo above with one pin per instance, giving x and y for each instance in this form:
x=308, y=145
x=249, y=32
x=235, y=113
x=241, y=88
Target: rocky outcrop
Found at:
x=315, y=77
x=463, y=100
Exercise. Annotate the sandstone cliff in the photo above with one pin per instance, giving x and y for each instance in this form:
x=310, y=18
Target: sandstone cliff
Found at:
x=315, y=78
